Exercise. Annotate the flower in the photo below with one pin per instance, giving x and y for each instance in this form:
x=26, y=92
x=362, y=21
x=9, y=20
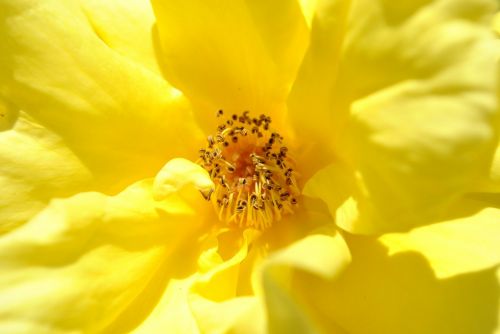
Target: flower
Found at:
x=389, y=109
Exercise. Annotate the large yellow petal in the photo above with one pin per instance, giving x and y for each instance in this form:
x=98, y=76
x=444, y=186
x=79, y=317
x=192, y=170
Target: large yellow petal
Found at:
x=119, y=117
x=84, y=260
x=402, y=102
x=35, y=166
x=232, y=55
x=379, y=293
x=457, y=246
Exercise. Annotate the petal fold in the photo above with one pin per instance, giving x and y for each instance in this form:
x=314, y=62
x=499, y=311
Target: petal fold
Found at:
x=320, y=255
x=399, y=293
x=126, y=27
x=177, y=174
x=83, y=261
x=231, y=55
x=57, y=68
x=35, y=166
x=398, y=99
x=453, y=247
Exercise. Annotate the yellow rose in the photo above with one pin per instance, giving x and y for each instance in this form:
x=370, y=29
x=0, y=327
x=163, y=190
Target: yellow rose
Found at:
x=388, y=110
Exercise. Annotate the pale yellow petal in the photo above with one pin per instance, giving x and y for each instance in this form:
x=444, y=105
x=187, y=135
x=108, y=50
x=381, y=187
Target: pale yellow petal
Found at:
x=314, y=106
x=84, y=261
x=241, y=315
x=35, y=166
x=207, y=286
x=496, y=24
x=178, y=173
x=308, y=9
x=320, y=255
x=337, y=185
x=383, y=294
x=233, y=55
x=453, y=247
x=126, y=27
x=406, y=99
x=120, y=118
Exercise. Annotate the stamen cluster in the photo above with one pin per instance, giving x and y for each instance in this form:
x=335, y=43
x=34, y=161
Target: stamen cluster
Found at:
x=255, y=183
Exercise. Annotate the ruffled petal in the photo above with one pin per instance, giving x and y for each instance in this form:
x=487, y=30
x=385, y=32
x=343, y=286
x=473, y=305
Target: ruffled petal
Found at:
x=320, y=255
x=119, y=117
x=84, y=260
x=454, y=247
x=380, y=293
x=231, y=55
x=402, y=102
x=208, y=286
x=35, y=166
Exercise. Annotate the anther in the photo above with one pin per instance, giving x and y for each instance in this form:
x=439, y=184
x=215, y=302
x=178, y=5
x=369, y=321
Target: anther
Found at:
x=254, y=184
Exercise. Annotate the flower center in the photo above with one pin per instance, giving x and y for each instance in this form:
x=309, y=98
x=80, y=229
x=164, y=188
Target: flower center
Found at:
x=254, y=176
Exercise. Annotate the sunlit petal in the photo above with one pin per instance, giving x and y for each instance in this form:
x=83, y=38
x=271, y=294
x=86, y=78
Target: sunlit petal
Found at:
x=458, y=246
x=401, y=104
x=384, y=294
x=35, y=166
x=120, y=118
x=84, y=260
x=126, y=27
x=232, y=55
x=322, y=255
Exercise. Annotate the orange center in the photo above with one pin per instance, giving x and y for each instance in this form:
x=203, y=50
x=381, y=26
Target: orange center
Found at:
x=252, y=171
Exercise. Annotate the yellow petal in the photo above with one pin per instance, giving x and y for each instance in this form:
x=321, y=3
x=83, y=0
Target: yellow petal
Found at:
x=491, y=181
x=406, y=106
x=56, y=67
x=337, y=186
x=314, y=105
x=384, y=294
x=84, y=260
x=242, y=315
x=496, y=24
x=232, y=55
x=178, y=173
x=453, y=247
x=206, y=287
x=35, y=166
x=321, y=255
x=126, y=27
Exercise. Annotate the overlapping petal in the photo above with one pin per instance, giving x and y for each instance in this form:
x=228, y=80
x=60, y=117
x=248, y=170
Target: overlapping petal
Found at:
x=119, y=117
x=458, y=246
x=35, y=167
x=408, y=114
x=380, y=293
x=84, y=260
x=126, y=27
x=231, y=55
x=322, y=255
x=388, y=103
